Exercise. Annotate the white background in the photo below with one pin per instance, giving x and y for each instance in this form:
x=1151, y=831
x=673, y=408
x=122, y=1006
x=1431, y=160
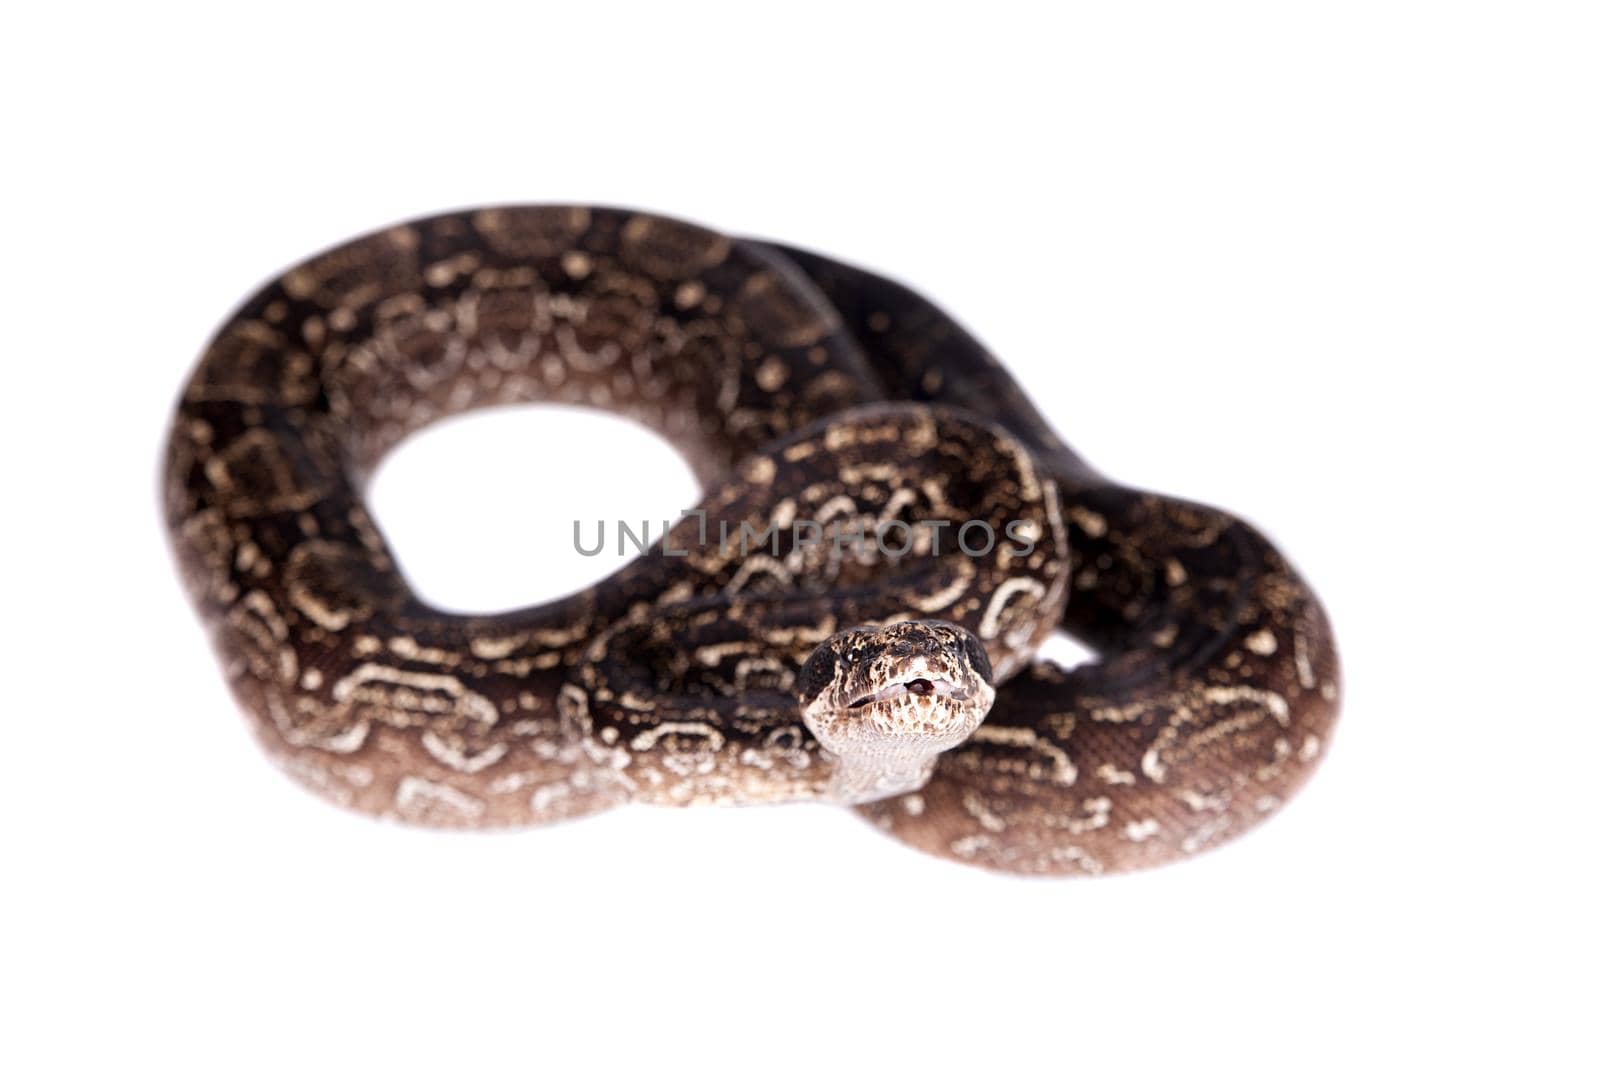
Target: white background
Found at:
x=1334, y=266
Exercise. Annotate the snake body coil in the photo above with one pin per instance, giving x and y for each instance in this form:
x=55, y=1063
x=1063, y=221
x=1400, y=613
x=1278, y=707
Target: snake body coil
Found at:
x=809, y=397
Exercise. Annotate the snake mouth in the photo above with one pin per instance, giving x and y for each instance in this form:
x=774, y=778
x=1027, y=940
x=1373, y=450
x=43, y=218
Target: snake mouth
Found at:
x=918, y=687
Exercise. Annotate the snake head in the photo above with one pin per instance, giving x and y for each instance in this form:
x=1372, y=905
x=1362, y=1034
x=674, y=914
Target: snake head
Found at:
x=887, y=700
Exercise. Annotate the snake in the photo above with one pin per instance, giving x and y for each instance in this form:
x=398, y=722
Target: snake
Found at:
x=852, y=613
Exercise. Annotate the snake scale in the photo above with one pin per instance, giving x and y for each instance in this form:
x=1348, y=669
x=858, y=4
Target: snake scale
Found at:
x=817, y=403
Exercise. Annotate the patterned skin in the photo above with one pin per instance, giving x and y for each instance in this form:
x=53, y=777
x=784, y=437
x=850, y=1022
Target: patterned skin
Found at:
x=892, y=494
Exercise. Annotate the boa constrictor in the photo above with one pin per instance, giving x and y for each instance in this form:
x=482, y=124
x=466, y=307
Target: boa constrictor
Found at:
x=888, y=533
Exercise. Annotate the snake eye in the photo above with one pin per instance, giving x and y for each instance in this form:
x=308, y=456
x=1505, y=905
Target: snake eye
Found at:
x=818, y=672
x=980, y=659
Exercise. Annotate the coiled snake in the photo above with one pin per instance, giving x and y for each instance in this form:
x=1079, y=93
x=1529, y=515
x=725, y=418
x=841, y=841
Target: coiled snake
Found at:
x=889, y=531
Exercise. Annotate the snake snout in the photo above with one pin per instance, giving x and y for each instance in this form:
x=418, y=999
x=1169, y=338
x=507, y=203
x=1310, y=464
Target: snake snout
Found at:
x=918, y=686
x=911, y=688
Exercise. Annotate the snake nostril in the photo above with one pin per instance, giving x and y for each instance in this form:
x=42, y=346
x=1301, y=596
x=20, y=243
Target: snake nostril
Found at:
x=920, y=686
